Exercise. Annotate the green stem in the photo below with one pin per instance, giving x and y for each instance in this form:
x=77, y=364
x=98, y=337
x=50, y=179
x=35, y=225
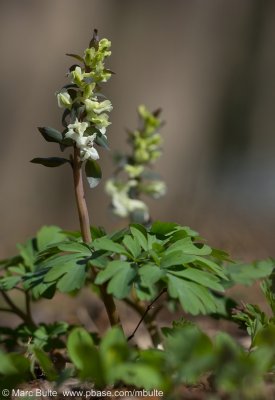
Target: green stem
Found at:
x=149, y=320
x=86, y=233
x=28, y=308
x=14, y=309
x=6, y=310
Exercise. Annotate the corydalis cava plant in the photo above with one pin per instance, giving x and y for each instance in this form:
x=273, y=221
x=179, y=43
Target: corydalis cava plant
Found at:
x=85, y=119
x=133, y=175
x=136, y=265
x=86, y=111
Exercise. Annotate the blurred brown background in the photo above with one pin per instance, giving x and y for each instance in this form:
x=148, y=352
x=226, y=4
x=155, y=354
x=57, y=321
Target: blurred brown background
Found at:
x=210, y=65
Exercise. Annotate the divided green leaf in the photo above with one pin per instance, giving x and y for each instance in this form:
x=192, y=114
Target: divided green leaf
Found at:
x=85, y=356
x=120, y=275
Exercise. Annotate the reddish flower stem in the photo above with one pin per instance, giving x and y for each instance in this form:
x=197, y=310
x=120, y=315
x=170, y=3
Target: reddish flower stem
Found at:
x=84, y=221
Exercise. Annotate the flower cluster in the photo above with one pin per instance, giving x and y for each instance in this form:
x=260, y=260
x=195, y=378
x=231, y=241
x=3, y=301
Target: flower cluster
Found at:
x=122, y=204
x=82, y=101
x=145, y=143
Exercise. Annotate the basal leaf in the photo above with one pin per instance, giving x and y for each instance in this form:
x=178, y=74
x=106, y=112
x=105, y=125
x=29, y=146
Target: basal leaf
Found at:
x=146, y=287
x=176, y=258
x=45, y=290
x=118, y=235
x=150, y=274
x=69, y=276
x=85, y=356
x=194, y=298
x=9, y=262
x=140, y=235
x=179, y=290
x=188, y=247
x=182, y=232
x=18, y=270
x=72, y=280
x=189, y=353
x=14, y=368
x=45, y=363
x=121, y=284
x=212, y=266
x=108, y=245
x=75, y=247
x=49, y=235
x=132, y=245
x=97, y=232
x=59, y=260
x=139, y=375
x=114, y=351
x=99, y=259
x=9, y=282
x=246, y=274
x=120, y=274
x=112, y=268
x=34, y=282
x=205, y=296
x=220, y=255
x=28, y=252
x=162, y=228
x=203, y=278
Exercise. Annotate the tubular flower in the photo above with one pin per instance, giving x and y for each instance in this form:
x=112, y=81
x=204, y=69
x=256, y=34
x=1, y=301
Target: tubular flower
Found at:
x=92, y=105
x=76, y=132
x=88, y=152
x=100, y=121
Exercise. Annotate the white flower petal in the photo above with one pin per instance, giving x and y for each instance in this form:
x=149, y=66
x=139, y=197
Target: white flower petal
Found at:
x=88, y=153
x=78, y=127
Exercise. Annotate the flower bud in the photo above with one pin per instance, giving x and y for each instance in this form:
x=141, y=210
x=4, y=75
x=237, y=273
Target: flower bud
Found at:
x=101, y=121
x=134, y=170
x=88, y=90
x=89, y=56
x=104, y=45
x=142, y=156
x=77, y=76
x=156, y=189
